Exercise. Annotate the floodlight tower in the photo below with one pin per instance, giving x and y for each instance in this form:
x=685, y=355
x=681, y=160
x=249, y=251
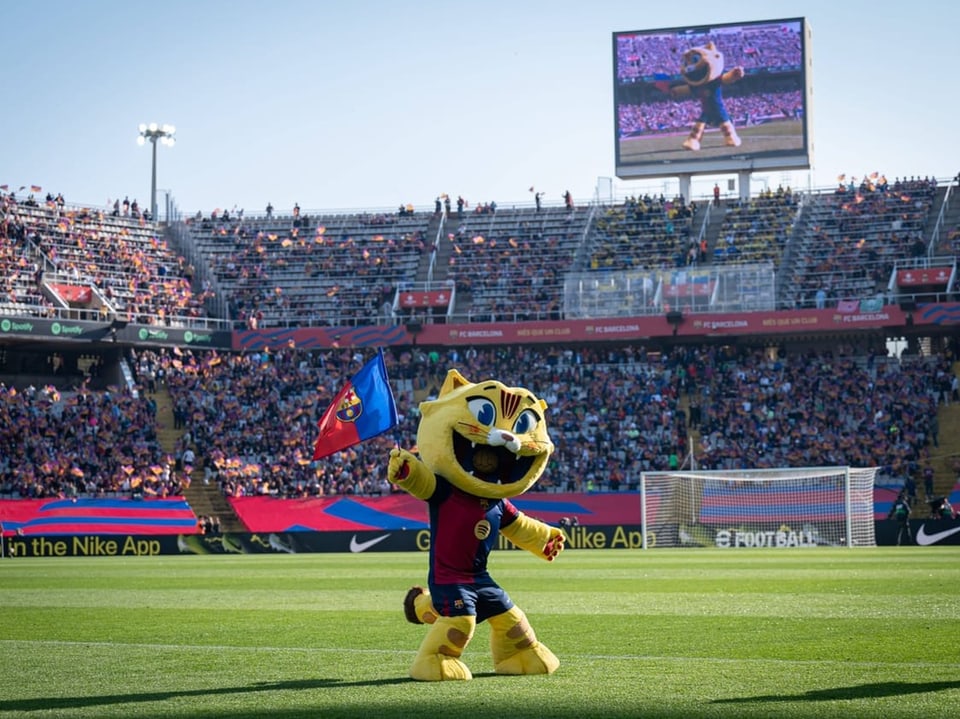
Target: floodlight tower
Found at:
x=165, y=134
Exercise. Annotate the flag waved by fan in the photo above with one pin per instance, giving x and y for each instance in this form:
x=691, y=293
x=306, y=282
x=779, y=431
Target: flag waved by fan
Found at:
x=363, y=409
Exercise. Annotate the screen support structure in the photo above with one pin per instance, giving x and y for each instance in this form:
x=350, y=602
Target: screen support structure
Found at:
x=685, y=180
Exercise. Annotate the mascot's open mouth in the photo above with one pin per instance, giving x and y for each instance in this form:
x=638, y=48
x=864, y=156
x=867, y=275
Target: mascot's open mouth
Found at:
x=497, y=465
x=696, y=72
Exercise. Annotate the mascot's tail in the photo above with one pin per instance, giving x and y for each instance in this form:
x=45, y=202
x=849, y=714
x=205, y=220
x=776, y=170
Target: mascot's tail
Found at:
x=417, y=607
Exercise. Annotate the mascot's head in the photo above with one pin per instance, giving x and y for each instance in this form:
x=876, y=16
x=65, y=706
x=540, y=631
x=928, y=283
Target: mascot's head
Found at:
x=702, y=64
x=487, y=439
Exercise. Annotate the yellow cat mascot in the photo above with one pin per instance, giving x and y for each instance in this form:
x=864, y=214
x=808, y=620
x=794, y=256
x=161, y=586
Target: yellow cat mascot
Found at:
x=479, y=445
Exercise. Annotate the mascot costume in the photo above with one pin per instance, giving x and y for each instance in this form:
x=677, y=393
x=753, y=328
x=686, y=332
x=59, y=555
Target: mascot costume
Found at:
x=703, y=79
x=479, y=445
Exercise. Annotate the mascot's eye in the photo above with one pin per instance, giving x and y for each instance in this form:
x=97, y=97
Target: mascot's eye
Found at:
x=526, y=422
x=695, y=58
x=483, y=410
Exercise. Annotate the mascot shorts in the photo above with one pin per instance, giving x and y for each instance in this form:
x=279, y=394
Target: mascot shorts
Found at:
x=480, y=600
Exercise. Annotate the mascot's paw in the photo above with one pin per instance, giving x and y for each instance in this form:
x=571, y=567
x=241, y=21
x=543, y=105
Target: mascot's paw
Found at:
x=533, y=660
x=732, y=141
x=554, y=546
x=398, y=466
x=691, y=143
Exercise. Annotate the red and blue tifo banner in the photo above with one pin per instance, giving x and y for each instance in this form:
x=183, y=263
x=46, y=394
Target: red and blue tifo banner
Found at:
x=363, y=409
x=401, y=511
x=97, y=516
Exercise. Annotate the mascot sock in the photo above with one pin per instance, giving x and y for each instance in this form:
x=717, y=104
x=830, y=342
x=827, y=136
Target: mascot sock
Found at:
x=438, y=658
x=730, y=136
x=696, y=134
x=515, y=647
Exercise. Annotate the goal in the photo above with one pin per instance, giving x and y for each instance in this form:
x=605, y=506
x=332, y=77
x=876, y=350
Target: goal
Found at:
x=779, y=508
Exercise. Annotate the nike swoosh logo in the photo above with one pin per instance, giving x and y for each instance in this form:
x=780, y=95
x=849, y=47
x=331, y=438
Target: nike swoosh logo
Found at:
x=356, y=546
x=924, y=538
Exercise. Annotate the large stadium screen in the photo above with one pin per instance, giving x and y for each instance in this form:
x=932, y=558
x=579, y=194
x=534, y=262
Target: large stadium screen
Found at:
x=710, y=99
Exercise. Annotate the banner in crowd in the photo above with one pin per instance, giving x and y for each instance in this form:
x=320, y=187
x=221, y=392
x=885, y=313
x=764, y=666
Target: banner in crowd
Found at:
x=402, y=511
x=122, y=515
x=63, y=330
x=398, y=511
x=854, y=315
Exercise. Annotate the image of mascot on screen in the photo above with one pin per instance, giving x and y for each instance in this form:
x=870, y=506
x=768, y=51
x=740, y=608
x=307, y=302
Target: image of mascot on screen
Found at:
x=704, y=78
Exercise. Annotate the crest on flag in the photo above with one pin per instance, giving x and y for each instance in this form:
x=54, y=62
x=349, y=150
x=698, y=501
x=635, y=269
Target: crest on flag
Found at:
x=351, y=407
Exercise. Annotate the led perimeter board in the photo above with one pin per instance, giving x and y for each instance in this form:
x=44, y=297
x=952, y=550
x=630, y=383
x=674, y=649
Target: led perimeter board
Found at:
x=712, y=99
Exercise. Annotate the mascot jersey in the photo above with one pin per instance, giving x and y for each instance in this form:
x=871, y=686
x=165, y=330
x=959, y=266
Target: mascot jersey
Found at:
x=712, y=109
x=459, y=558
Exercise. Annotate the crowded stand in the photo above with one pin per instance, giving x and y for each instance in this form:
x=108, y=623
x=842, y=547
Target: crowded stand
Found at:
x=756, y=49
x=295, y=270
x=249, y=419
x=510, y=264
x=82, y=443
x=854, y=237
x=113, y=263
x=757, y=229
x=643, y=233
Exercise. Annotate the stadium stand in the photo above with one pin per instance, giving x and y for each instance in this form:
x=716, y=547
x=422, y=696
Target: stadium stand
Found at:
x=95, y=263
x=247, y=417
x=298, y=270
x=852, y=239
x=510, y=264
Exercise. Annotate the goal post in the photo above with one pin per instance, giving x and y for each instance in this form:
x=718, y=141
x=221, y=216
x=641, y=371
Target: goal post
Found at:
x=790, y=507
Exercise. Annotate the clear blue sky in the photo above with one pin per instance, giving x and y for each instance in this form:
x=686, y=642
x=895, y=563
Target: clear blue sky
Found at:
x=375, y=103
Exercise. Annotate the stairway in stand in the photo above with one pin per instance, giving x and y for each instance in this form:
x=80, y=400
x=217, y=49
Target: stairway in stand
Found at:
x=943, y=457
x=204, y=499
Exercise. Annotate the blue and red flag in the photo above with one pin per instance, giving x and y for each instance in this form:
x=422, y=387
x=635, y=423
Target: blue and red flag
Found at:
x=363, y=409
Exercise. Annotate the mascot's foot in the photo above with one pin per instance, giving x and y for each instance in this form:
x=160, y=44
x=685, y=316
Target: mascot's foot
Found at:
x=417, y=607
x=438, y=658
x=440, y=669
x=691, y=143
x=730, y=136
x=535, y=660
x=515, y=647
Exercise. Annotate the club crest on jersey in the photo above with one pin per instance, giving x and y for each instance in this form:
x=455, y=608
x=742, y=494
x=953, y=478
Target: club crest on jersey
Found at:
x=350, y=407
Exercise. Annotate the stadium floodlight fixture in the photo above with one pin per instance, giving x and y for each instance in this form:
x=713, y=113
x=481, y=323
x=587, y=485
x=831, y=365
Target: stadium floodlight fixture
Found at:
x=154, y=132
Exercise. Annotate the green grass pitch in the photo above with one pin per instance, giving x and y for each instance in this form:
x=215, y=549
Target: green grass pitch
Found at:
x=663, y=634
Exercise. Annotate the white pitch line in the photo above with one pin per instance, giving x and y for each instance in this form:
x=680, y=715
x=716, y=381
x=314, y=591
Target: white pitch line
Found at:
x=393, y=652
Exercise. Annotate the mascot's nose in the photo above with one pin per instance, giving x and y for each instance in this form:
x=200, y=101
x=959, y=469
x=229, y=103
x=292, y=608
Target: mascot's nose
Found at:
x=499, y=438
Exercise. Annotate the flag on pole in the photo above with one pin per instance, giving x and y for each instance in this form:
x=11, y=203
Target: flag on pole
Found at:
x=363, y=409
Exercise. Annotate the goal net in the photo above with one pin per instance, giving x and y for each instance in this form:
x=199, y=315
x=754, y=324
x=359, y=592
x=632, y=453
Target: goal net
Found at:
x=808, y=507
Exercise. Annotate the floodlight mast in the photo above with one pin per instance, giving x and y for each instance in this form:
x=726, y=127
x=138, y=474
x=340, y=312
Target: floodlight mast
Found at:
x=165, y=134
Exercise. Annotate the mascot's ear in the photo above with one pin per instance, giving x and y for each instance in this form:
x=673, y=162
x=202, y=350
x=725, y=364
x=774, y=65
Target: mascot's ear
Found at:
x=454, y=380
x=710, y=46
